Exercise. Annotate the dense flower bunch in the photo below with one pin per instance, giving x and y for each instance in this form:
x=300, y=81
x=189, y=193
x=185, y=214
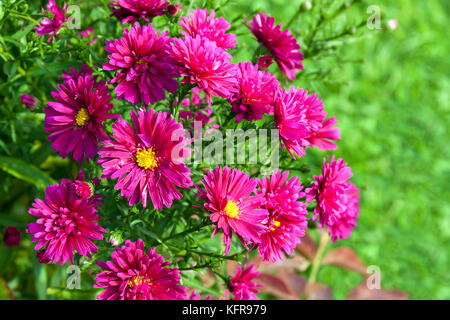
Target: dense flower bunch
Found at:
x=141, y=158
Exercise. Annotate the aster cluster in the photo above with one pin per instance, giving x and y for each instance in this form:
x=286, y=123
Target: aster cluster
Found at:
x=168, y=82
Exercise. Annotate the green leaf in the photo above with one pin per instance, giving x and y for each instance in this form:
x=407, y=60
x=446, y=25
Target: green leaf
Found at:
x=25, y=171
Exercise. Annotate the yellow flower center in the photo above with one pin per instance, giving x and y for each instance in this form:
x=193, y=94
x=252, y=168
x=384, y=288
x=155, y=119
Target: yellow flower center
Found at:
x=276, y=224
x=82, y=117
x=146, y=158
x=231, y=209
x=137, y=281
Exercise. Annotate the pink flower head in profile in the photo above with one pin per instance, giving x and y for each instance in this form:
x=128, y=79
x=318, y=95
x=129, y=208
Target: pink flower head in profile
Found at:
x=75, y=119
x=173, y=9
x=287, y=221
x=301, y=122
x=241, y=285
x=337, y=199
x=265, y=61
x=281, y=44
x=207, y=26
x=29, y=101
x=135, y=275
x=256, y=92
x=227, y=195
x=84, y=188
x=206, y=65
x=147, y=158
x=11, y=237
x=52, y=26
x=65, y=223
x=145, y=68
x=133, y=10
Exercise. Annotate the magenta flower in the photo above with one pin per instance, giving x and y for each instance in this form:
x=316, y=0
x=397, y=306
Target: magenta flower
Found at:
x=301, y=122
x=241, y=284
x=207, y=26
x=40, y=255
x=75, y=120
x=337, y=199
x=173, y=9
x=256, y=92
x=135, y=275
x=84, y=188
x=265, y=61
x=147, y=158
x=281, y=44
x=133, y=10
x=66, y=223
x=145, y=67
x=29, y=101
x=11, y=237
x=227, y=195
x=206, y=65
x=287, y=216
x=52, y=26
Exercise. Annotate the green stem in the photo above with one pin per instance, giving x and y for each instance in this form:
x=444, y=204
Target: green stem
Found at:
x=324, y=239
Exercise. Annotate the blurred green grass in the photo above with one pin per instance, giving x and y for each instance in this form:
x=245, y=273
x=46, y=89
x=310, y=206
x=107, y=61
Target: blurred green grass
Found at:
x=394, y=114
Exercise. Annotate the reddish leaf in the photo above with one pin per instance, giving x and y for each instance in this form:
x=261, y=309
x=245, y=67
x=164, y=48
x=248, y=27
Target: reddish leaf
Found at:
x=307, y=247
x=318, y=291
x=296, y=262
x=275, y=286
x=295, y=282
x=346, y=258
x=361, y=292
x=232, y=267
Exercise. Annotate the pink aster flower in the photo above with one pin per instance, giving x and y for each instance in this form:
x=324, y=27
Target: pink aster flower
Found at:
x=227, y=195
x=11, y=237
x=75, y=120
x=241, y=285
x=147, y=158
x=65, y=223
x=173, y=9
x=265, y=61
x=256, y=92
x=135, y=275
x=206, y=65
x=133, y=10
x=301, y=122
x=52, y=26
x=29, y=101
x=287, y=216
x=281, y=44
x=145, y=68
x=207, y=26
x=84, y=188
x=337, y=199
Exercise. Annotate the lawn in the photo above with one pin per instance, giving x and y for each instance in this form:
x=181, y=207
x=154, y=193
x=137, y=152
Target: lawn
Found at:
x=393, y=111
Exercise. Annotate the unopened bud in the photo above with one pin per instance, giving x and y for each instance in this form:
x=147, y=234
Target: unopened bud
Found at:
x=307, y=5
x=392, y=24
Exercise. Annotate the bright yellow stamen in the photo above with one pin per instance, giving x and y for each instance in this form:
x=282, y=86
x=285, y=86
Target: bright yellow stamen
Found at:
x=146, y=158
x=82, y=117
x=276, y=224
x=136, y=281
x=231, y=209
